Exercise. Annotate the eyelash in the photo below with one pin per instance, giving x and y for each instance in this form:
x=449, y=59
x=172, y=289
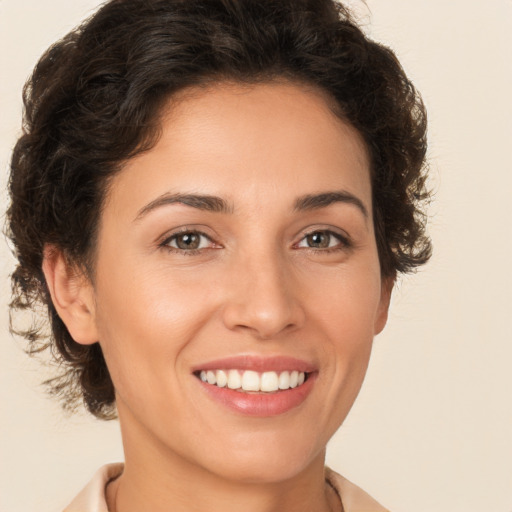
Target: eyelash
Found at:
x=344, y=242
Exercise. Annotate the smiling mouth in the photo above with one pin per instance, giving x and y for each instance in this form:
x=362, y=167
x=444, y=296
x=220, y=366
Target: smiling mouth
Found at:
x=249, y=381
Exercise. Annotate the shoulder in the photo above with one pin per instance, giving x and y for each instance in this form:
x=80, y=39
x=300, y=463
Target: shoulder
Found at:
x=92, y=497
x=353, y=498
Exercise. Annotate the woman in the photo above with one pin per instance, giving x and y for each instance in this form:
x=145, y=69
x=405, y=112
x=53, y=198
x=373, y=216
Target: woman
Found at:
x=213, y=200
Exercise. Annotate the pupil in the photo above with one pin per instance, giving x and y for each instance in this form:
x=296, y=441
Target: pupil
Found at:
x=318, y=240
x=188, y=241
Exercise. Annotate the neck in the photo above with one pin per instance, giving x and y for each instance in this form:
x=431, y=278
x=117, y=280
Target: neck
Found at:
x=159, y=480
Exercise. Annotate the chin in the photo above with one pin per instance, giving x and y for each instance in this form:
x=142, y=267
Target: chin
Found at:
x=265, y=459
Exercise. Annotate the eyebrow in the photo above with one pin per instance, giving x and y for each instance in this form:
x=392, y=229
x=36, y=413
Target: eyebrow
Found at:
x=199, y=201
x=218, y=205
x=322, y=200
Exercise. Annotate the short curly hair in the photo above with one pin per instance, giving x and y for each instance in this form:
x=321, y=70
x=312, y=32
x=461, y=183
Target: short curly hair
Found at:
x=94, y=99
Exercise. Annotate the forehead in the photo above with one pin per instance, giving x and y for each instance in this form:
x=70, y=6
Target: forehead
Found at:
x=247, y=143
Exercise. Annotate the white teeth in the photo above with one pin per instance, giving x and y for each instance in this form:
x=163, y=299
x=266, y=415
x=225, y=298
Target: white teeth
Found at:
x=269, y=381
x=249, y=380
x=234, y=379
x=284, y=380
x=222, y=378
x=294, y=379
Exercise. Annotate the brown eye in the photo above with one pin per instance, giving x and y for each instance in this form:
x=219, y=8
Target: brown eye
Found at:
x=324, y=239
x=319, y=240
x=188, y=241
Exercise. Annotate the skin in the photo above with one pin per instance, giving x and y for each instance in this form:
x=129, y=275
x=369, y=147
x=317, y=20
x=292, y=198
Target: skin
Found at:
x=255, y=286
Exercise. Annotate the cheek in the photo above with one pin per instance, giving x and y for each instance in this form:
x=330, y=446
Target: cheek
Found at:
x=144, y=320
x=347, y=313
x=348, y=304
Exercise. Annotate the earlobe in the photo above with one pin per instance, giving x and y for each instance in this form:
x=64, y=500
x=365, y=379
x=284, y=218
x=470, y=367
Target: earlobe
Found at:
x=72, y=295
x=385, y=298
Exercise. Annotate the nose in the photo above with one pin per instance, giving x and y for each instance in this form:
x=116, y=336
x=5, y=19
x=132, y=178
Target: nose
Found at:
x=263, y=299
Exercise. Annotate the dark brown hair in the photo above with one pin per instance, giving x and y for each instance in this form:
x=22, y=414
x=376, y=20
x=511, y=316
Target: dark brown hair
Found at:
x=94, y=99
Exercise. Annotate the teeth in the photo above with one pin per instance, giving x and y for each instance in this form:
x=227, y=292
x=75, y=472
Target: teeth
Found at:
x=294, y=379
x=284, y=380
x=222, y=378
x=249, y=380
x=269, y=381
x=234, y=379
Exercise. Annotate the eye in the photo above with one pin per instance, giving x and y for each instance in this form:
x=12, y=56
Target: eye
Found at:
x=323, y=239
x=188, y=241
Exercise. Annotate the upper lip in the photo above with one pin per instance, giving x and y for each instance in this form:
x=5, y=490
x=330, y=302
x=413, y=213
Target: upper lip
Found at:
x=257, y=363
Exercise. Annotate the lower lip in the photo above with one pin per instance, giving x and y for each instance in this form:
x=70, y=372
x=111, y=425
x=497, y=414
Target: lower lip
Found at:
x=261, y=404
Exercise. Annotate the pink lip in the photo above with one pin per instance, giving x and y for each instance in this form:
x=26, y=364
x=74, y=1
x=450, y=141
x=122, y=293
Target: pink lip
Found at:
x=257, y=364
x=259, y=404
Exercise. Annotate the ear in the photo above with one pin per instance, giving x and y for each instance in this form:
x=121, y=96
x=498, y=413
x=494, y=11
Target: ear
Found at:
x=72, y=295
x=381, y=317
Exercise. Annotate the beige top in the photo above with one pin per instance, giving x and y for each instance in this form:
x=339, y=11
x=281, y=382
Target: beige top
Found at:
x=92, y=497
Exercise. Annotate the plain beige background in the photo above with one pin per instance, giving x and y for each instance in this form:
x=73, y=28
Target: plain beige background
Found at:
x=432, y=428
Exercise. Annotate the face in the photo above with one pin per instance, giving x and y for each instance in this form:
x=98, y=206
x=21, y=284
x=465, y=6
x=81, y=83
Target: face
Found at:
x=240, y=251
